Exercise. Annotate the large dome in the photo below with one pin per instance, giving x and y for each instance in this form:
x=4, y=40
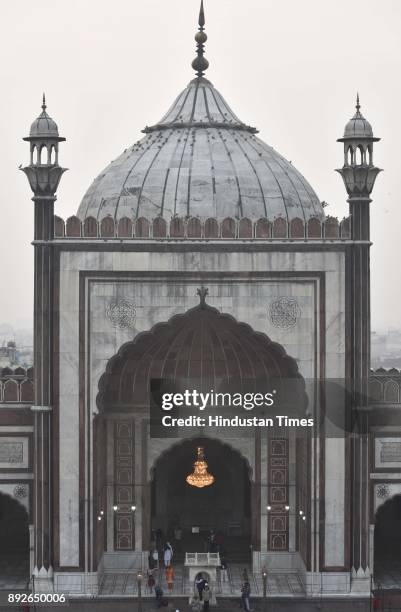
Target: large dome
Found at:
x=200, y=160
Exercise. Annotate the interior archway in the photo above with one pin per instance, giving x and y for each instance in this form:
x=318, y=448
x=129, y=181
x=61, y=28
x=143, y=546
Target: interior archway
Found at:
x=223, y=508
x=14, y=543
x=387, y=542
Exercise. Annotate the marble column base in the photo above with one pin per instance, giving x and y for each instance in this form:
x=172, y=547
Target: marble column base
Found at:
x=42, y=580
x=361, y=581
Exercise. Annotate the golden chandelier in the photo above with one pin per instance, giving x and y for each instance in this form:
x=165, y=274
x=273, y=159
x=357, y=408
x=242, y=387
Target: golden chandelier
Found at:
x=200, y=477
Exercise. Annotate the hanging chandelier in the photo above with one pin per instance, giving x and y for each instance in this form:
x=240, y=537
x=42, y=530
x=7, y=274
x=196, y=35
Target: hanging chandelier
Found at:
x=200, y=477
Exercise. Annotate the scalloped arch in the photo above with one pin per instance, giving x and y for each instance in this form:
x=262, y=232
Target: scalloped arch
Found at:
x=201, y=343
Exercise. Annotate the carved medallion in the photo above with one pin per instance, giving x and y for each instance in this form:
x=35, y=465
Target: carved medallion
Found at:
x=121, y=313
x=20, y=491
x=382, y=491
x=284, y=312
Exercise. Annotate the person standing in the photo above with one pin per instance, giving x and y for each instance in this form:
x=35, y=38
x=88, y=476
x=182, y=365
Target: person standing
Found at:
x=170, y=577
x=154, y=559
x=207, y=595
x=168, y=554
x=151, y=580
x=159, y=596
x=200, y=585
x=223, y=570
x=245, y=596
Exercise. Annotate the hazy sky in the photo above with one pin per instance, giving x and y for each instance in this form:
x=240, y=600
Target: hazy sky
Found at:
x=292, y=68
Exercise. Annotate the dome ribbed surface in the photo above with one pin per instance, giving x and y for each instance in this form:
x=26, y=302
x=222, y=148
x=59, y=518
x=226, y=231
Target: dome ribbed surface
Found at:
x=202, y=161
x=358, y=127
x=44, y=127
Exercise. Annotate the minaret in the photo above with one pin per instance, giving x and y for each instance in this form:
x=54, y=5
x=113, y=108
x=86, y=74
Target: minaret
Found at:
x=44, y=175
x=359, y=175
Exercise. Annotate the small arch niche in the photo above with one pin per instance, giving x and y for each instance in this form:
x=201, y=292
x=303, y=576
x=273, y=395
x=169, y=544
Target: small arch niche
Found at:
x=53, y=155
x=360, y=157
x=35, y=157
x=43, y=157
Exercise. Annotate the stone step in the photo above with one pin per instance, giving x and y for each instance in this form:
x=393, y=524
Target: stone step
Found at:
x=279, y=583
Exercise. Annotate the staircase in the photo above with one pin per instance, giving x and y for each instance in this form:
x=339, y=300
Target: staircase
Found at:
x=280, y=583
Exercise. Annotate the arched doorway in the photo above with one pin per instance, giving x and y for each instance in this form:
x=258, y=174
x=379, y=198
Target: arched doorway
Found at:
x=203, y=349
x=223, y=508
x=387, y=542
x=14, y=543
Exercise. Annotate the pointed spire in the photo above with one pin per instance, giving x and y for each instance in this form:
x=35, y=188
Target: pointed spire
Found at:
x=200, y=63
x=358, y=106
x=358, y=114
x=44, y=102
x=201, y=21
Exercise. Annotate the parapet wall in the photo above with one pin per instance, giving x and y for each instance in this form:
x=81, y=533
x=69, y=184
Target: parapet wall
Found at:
x=16, y=386
x=385, y=386
x=194, y=228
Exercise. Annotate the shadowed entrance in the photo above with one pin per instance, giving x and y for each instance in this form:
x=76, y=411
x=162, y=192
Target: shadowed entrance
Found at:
x=224, y=506
x=14, y=543
x=387, y=544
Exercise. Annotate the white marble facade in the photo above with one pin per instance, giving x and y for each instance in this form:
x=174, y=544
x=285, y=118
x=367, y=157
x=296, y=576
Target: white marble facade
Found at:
x=156, y=286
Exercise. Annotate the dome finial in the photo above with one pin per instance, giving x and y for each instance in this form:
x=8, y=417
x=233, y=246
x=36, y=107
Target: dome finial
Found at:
x=202, y=292
x=201, y=21
x=44, y=102
x=358, y=106
x=200, y=63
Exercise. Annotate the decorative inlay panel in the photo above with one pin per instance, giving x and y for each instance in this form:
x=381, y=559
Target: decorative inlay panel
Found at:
x=278, y=494
x=387, y=453
x=13, y=452
x=124, y=477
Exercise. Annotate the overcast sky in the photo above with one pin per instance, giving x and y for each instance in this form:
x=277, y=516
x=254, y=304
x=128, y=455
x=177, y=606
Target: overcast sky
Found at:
x=292, y=68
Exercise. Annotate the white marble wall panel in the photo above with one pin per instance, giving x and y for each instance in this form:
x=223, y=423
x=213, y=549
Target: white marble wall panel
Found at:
x=247, y=300
x=335, y=502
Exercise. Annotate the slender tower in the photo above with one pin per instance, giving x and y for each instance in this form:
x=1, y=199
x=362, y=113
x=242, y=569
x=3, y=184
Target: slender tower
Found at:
x=44, y=175
x=359, y=175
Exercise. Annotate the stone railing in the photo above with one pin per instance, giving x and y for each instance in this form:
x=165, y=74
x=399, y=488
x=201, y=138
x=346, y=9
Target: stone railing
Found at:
x=202, y=559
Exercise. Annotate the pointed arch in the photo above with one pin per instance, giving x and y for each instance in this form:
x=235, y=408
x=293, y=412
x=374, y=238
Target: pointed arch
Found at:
x=202, y=344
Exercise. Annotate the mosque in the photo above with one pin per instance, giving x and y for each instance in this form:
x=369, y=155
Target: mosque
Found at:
x=200, y=256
